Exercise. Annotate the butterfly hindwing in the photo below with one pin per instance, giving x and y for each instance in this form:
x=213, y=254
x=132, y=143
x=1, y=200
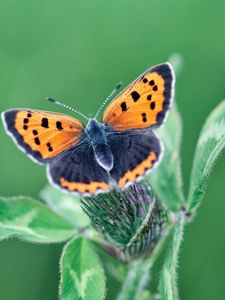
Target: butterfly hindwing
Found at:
x=144, y=103
x=77, y=171
x=42, y=135
x=135, y=153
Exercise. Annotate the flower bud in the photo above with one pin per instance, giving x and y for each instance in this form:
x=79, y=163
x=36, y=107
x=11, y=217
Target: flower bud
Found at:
x=131, y=221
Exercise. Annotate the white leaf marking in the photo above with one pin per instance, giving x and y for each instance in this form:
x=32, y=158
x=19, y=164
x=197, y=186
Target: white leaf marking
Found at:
x=81, y=284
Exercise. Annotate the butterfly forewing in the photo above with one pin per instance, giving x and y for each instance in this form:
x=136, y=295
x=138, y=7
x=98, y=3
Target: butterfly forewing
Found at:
x=144, y=103
x=42, y=135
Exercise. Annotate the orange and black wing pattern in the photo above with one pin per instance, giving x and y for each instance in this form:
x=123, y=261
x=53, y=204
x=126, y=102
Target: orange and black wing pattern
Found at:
x=144, y=103
x=77, y=171
x=42, y=135
x=135, y=153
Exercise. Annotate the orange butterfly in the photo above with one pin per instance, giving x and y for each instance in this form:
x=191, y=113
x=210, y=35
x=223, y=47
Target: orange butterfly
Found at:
x=101, y=155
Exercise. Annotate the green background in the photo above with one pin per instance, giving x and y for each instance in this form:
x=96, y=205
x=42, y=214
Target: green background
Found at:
x=77, y=51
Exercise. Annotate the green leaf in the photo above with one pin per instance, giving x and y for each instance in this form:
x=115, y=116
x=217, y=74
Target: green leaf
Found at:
x=32, y=221
x=82, y=276
x=166, y=180
x=167, y=285
x=65, y=205
x=4, y=236
x=211, y=142
x=177, y=61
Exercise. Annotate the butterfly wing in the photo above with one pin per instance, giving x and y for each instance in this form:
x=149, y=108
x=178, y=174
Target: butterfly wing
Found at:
x=42, y=135
x=144, y=103
x=135, y=153
x=77, y=171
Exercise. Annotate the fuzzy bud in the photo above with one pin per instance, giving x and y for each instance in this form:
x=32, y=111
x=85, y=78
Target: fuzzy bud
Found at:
x=131, y=221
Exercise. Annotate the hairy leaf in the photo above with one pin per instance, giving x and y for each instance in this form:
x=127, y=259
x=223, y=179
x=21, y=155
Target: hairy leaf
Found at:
x=166, y=180
x=32, y=221
x=211, y=142
x=82, y=276
x=65, y=205
x=167, y=285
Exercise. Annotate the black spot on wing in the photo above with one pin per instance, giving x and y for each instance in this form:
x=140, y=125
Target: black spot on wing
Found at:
x=50, y=149
x=144, y=117
x=135, y=96
x=59, y=125
x=37, y=141
x=152, y=105
x=123, y=106
x=151, y=82
x=44, y=123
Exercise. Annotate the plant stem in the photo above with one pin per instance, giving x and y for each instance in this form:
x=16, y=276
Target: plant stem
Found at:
x=138, y=275
x=168, y=282
x=136, y=280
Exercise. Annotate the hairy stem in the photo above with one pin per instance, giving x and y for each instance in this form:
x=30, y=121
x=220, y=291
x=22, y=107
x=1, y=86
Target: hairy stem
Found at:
x=138, y=275
x=168, y=282
x=136, y=281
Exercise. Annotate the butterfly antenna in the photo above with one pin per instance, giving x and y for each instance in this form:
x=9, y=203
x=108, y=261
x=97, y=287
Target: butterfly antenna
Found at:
x=107, y=99
x=68, y=107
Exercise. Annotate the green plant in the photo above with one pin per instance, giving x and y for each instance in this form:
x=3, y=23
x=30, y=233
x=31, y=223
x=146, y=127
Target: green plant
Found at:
x=134, y=227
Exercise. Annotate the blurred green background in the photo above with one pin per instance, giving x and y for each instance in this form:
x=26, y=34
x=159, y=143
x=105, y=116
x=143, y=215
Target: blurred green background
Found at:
x=77, y=51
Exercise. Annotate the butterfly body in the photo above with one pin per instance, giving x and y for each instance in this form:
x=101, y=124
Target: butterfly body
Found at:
x=96, y=133
x=91, y=159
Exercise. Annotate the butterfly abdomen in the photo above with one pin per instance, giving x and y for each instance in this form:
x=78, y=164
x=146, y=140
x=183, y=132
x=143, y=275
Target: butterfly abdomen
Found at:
x=104, y=157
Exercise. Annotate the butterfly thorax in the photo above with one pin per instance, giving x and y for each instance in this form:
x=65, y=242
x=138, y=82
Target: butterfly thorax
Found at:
x=96, y=133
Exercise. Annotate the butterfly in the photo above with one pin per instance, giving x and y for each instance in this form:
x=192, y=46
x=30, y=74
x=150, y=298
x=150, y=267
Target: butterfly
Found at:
x=100, y=156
